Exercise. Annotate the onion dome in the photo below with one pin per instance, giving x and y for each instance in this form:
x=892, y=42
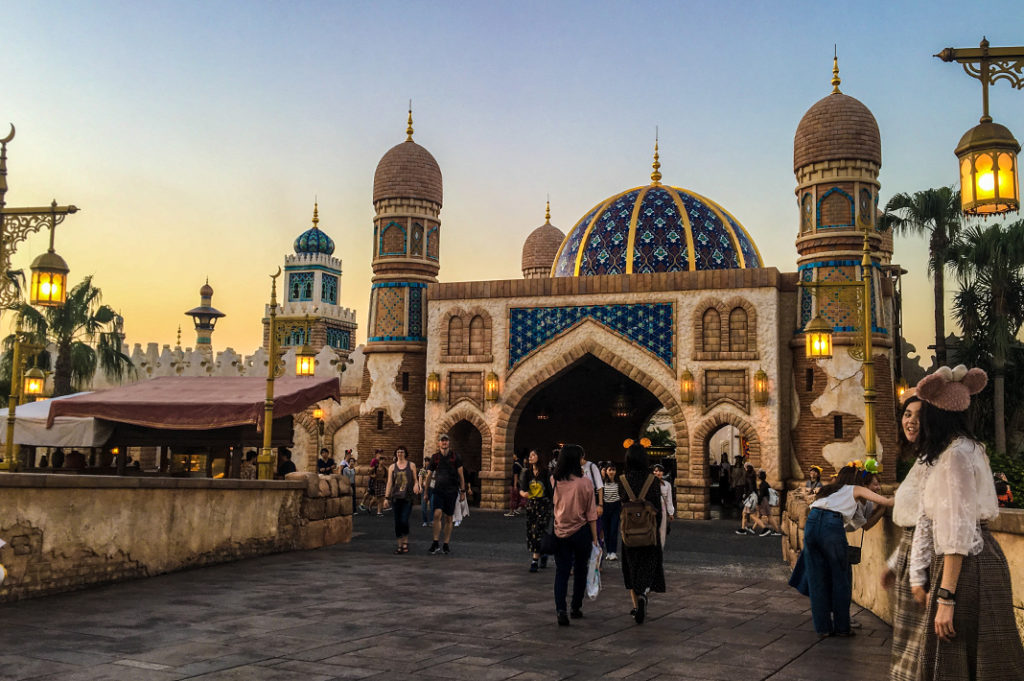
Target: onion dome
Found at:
x=541, y=247
x=206, y=291
x=837, y=128
x=655, y=228
x=407, y=171
x=313, y=240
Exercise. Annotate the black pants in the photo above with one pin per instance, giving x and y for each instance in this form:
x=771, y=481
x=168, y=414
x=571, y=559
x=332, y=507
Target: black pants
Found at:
x=401, y=509
x=572, y=553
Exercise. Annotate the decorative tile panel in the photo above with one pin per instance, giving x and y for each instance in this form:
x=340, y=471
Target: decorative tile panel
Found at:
x=300, y=286
x=329, y=289
x=648, y=326
x=391, y=320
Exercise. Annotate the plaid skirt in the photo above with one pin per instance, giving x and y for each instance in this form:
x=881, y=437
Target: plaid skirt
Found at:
x=987, y=646
x=907, y=618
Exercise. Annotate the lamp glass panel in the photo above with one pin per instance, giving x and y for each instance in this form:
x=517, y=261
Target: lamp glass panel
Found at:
x=1007, y=176
x=966, y=182
x=304, y=365
x=47, y=288
x=33, y=386
x=984, y=179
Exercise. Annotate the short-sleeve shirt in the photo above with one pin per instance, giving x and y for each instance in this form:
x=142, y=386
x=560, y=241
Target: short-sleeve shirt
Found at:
x=445, y=470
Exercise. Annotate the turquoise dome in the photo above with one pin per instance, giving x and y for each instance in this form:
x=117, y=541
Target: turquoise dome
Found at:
x=314, y=241
x=655, y=228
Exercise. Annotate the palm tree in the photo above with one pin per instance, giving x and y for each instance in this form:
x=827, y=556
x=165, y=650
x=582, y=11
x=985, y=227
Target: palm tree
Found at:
x=87, y=336
x=935, y=212
x=989, y=266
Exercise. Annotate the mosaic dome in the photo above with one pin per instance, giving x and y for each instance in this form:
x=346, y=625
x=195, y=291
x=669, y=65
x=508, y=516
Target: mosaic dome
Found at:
x=656, y=228
x=313, y=240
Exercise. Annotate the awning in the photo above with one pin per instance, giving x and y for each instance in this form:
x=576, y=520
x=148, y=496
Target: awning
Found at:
x=196, y=402
x=30, y=427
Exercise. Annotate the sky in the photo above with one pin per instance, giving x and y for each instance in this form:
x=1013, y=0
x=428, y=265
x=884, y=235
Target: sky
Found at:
x=195, y=136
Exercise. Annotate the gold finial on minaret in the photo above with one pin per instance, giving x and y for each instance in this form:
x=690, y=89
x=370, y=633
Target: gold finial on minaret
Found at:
x=835, y=71
x=316, y=217
x=547, y=212
x=178, y=344
x=408, y=129
x=656, y=175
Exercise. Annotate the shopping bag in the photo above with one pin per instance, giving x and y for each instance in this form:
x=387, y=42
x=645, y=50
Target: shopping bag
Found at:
x=594, y=573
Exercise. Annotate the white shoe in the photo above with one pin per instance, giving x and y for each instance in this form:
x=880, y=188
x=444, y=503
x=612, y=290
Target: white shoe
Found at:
x=457, y=523
x=611, y=556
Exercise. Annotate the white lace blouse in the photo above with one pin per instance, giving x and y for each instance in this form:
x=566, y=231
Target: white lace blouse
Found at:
x=957, y=494
x=907, y=504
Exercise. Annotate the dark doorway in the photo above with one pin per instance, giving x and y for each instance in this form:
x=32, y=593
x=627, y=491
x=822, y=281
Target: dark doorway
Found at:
x=590, y=404
x=468, y=444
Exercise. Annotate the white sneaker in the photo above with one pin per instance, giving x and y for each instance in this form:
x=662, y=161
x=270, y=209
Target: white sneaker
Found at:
x=611, y=556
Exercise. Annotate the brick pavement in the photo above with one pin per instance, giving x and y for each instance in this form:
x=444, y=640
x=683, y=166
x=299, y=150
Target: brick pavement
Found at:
x=358, y=612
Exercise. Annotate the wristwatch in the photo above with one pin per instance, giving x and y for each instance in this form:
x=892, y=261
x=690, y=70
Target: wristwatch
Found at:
x=945, y=594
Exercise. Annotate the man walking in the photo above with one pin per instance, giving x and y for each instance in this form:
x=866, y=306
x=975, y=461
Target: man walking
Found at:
x=445, y=470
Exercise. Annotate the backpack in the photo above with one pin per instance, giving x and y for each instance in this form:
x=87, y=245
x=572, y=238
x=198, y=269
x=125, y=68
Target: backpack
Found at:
x=773, y=497
x=638, y=520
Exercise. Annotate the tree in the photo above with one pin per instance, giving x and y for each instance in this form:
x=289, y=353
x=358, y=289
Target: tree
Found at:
x=989, y=266
x=86, y=333
x=935, y=212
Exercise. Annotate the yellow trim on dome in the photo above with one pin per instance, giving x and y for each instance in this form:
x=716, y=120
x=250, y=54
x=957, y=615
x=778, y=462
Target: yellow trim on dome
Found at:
x=687, y=225
x=631, y=240
x=750, y=239
x=719, y=213
x=586, y=236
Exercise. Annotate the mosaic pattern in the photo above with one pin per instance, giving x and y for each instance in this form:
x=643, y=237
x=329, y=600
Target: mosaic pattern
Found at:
x=329, y=289
x=314, y=241
x=300, y=286
x=649, y=326
x=838, y=306
x=339, y=338
x=389, y=323
x=432, y=244
x=667, y=219
x=390, y=317
x=416, y=312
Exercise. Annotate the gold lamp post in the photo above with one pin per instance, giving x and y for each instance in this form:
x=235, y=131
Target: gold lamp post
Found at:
x=987, y=153
x=819, y=336
x=304, y=364
x=22, y=383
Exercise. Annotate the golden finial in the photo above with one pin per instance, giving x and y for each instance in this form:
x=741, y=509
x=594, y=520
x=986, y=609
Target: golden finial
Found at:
x=547, y=213
x=316, y=217
x=408, y=129
x=835, y=71
x=656, y=175
x=179, y=336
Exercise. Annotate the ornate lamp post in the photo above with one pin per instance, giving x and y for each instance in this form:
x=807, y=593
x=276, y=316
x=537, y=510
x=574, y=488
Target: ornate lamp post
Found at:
x=22, y=383
x=988, y=152
x=819, y=336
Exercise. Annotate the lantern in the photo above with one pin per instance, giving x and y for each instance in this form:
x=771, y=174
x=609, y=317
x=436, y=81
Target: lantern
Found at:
x=305, y=361
x=49, y=280
x=434, y=387
x=318, y=413
x=988, y=170
x=491, y=387
x=33, y=383
x=901, y=388
x=761, y=387
x=686, y=387
x=818, y=334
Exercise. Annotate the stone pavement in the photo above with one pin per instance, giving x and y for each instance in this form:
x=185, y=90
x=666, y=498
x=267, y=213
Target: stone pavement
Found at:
x=358, y=612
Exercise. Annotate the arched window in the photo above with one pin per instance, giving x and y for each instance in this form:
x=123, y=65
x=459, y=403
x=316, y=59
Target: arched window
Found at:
x=455, y=336
x=477, y=336
x=738, y=330
x=711, y=330
x=835, y=209
x=807, y=214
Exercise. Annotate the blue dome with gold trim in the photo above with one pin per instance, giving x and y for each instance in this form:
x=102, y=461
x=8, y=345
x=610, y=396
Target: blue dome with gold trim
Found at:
x=313, y=240
x=655, y=228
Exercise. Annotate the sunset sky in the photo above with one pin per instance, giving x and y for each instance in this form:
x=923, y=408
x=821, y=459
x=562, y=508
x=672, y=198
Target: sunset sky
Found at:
x=194, y=136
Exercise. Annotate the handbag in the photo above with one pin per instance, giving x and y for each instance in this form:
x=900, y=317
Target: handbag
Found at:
x=853, y=552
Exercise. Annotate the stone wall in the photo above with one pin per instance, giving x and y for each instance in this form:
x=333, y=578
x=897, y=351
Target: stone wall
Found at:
x=67, y=532
x=882, y=540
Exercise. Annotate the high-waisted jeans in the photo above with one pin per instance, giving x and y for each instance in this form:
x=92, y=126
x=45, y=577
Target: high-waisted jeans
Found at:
x=828, y=571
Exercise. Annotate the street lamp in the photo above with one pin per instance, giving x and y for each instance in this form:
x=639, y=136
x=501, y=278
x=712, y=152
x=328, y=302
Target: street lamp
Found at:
x=686, y=387
x=34, y=382
x=23, y=347
x=265, y=461
x=987, y=153
x=819, y=336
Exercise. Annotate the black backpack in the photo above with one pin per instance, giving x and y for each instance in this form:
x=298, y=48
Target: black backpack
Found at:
x=638, y=520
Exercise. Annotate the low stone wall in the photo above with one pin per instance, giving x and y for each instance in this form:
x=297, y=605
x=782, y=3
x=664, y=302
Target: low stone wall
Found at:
x=67, y=532
x=882, y=540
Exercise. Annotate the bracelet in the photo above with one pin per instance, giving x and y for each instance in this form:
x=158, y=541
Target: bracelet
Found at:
x=944, y=601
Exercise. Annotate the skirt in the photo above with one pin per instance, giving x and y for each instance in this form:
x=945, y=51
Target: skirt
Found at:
x=987, y=646
x=538, y=519
x=643, y=569
x=907, y=618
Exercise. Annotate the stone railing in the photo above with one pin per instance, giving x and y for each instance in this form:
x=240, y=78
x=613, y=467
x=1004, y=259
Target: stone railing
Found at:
x=67, y=532
x=881, y=541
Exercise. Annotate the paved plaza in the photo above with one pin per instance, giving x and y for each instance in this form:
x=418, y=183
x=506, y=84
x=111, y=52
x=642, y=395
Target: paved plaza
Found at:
x=358, y=612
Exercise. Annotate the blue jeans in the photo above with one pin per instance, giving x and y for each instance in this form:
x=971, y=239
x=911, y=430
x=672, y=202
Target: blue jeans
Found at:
x=572, y=553
x=401, y=508
x=610, y=522
x=828, y=572
x=427, y=506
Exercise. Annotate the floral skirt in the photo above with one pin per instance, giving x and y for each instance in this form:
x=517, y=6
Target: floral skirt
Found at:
x=538, y=519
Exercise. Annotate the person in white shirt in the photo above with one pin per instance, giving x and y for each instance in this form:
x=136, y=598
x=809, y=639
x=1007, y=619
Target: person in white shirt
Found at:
x=668, y=506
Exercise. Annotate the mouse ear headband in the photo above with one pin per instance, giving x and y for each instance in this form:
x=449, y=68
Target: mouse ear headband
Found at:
x=951, y=389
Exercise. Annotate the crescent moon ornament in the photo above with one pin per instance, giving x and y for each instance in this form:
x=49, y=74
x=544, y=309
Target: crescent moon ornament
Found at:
x=9, y=137
x=277, y=274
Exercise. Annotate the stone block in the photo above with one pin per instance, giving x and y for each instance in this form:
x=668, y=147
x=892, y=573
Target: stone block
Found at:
x=311, y=535
x=345, y=508
x=344, y=486
x=312, y=481
x=323, y=487
x=337, y=530
x=332, y=483
x=333, y=507
x=314, y=509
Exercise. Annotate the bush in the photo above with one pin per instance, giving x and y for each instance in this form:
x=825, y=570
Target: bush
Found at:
x=1013, y=466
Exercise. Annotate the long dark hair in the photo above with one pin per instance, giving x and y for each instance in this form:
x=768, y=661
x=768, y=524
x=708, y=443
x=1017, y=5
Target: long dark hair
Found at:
x=938, y=429
x=848, y=475
x=637, y=459
x=542, y=463
x=568, y=465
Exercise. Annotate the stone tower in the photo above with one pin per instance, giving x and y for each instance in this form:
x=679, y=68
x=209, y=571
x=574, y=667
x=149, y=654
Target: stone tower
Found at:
x=205, y=319
x=837, y=153
x=541, y=248
x=312, y=287
x=406, y=250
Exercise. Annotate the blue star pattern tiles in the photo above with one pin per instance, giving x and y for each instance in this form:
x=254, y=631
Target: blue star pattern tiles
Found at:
x=648, y=326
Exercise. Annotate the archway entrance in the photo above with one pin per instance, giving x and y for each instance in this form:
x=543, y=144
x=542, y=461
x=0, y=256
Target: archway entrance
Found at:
x=722, y=449
x=468, y=443
x=590, y=404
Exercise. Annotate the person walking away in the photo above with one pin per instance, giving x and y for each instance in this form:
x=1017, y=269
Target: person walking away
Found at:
x=642, y=566
x=969, y=627
x=612, y=510
x=668, y=506
x=515, y=499
x=575, y=513
x=825, y=556
x=535, y=487
x=764, y=507
x=446, y=474
x=400, y=487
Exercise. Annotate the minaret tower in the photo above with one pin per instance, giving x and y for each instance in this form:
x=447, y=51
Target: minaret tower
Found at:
x=837, y=153
x=406, y=257
x=205, y=319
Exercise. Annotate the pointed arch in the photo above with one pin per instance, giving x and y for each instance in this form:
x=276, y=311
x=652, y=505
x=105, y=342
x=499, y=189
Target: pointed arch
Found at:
x=465, y=411
x=703, y=432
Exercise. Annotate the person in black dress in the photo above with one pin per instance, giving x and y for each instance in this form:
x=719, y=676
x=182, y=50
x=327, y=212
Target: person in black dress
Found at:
x=642, y=568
